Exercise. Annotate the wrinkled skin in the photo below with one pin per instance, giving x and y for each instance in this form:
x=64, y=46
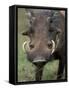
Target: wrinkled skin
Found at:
x=44, y=27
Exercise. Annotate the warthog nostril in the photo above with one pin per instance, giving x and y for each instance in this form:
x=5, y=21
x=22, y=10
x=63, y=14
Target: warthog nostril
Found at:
x=31, y=46
x=50, y=45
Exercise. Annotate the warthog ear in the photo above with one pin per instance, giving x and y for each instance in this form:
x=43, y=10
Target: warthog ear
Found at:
x=63, y=13
x=30, y=13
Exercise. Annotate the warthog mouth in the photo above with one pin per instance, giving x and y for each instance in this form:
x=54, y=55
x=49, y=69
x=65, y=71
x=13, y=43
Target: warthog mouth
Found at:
x=38, y=61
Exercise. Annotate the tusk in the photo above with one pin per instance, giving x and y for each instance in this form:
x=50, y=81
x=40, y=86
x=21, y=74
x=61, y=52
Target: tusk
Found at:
x=57, y=41
x=23, y=46
x=53, y=48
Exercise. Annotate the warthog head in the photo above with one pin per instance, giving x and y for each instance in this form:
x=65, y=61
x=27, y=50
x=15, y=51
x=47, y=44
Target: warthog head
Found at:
x=45, y=27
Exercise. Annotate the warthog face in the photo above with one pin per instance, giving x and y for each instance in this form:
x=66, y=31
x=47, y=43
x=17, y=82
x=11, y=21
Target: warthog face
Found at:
x=44, y=33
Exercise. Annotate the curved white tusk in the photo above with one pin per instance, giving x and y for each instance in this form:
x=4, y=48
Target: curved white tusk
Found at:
x=23, y=46
x=57, y=41
x=53, y=48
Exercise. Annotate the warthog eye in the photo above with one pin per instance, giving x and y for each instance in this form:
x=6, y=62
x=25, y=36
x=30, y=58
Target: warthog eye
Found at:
x=29, y=32
x=25, y=33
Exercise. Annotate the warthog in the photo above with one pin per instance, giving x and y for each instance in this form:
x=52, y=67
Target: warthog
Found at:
x=47, y=39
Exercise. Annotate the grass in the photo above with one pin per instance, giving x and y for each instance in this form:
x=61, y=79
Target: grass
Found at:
x=26, y=70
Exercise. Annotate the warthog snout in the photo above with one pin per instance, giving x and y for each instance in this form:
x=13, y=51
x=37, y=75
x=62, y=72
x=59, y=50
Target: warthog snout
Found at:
x=39, y=54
